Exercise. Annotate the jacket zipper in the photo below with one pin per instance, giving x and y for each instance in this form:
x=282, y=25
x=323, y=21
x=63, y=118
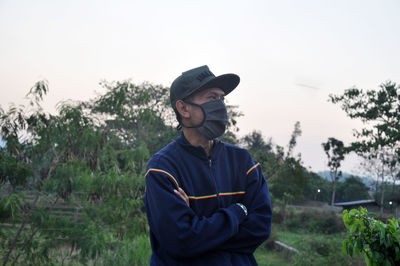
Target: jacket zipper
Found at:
x=215, y=181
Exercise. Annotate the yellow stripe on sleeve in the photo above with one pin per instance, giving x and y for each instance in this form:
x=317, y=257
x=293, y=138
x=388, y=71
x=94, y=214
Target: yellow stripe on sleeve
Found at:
x=215, y=195
x=252, y=168
x=232, y=193
x=164, y=172
x=203, y=197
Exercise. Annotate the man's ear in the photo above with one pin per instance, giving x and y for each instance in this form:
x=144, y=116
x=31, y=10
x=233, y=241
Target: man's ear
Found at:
x=182, y=109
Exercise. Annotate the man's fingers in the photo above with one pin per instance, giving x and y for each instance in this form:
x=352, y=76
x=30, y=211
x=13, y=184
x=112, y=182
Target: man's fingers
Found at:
x=182, y=194
x=179, y=193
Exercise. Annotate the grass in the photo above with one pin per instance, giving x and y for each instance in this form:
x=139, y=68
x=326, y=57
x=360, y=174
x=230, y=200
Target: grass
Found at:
x=297, y=239
x=317, y=249
x=314, y=248
x=269, y=258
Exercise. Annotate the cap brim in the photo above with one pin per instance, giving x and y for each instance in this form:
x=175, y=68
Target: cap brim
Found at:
x=226, y=82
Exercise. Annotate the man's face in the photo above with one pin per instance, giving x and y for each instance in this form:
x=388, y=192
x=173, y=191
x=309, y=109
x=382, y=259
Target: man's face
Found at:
x=201, y=97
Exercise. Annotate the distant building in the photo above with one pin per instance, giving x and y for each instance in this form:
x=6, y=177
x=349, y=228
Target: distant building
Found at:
x=370, y=205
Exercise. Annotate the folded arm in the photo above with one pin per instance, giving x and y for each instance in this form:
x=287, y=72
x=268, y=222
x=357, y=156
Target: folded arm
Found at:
x=175, y=225
x=257, y=226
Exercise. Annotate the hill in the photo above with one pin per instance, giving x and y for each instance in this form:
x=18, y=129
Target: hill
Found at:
x=369, y=182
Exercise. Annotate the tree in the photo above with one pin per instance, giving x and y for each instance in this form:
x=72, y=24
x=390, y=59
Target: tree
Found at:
x=92, y=154
x=379, y=110
x=351, y=189
x=92, y=157
x=334, y=151
x=262, y=152
x=293, y=139
x=254, y=141
x=286, y=175
x=382, y=165
x=290, y=180
x=317, y=188
x=137, y=114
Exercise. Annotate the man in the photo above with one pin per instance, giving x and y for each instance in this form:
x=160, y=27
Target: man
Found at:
x=207, y=201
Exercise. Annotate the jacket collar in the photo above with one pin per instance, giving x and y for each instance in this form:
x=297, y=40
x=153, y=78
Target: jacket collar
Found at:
x=199, y=151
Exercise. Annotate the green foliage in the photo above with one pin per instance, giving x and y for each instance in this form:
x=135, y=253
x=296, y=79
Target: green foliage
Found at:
x=318, y=188
x=293, y=139
x=314, y=222
x=381, y=107
x=316, y=248
x=255, y=143
x=285, y=174
x=290, y=178
x=12, y=171
x=378, y=141
x=392, y=195
x=377, y=241
x=137, y=114
x=10, y=206
x=351, y=189
x=73, y=182
x=133, y=252
x=278, y=215
x=322, y=251
x=82, y=170
x=265, y=257
x=334, y=150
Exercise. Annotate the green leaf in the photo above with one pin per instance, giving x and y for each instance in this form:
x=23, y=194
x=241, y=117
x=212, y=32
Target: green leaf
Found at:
x=344, y=246
x=367, y=259
x=353, y=212
x=353, y=227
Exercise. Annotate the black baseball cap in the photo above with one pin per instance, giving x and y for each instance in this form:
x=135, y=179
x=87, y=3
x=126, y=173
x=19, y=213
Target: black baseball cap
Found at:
x=200, y=78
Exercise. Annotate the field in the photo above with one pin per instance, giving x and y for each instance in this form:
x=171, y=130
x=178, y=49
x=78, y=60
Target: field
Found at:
x=317, y=235
x=314, y=249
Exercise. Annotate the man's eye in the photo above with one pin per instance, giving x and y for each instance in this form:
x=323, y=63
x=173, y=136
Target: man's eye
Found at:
x=215, y=97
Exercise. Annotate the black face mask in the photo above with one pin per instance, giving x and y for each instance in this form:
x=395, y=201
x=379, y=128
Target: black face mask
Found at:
x=215, y=119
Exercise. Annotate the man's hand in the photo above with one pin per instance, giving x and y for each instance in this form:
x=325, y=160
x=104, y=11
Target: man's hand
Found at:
x=183, y=195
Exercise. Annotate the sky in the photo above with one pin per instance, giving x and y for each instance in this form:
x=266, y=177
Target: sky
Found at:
x=290, y=55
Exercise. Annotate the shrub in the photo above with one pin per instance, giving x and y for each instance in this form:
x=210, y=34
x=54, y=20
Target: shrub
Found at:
x=379, y=242
x=278, y=215
x=323, y=251
x=130, y=252
x=314, y=221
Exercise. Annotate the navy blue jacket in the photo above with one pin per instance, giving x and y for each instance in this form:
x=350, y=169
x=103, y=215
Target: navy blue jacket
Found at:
x=214, y=230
